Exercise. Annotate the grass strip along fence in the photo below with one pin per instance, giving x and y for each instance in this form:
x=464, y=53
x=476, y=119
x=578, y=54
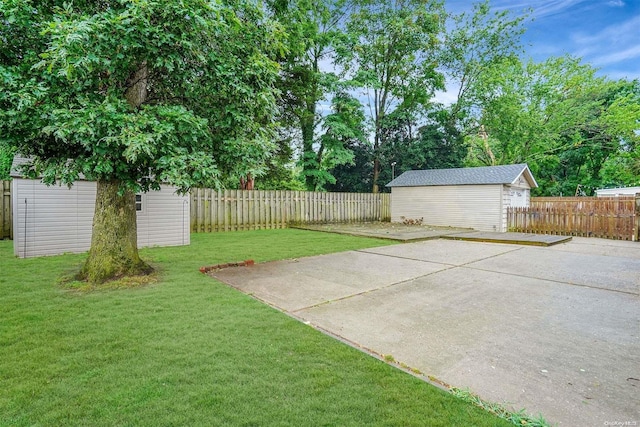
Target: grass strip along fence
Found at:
x=605, y=217
x=230, y=210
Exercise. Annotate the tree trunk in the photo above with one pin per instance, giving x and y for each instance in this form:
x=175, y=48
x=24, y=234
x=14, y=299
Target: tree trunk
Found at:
x=136, y=93
x=376, y=175
x=114, y=238
x=307, y=124
x=247, y=183
x=376, y=158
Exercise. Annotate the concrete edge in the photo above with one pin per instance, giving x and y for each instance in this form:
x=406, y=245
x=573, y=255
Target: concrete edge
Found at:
x=565, y=239
x=375, y=236
x=353, y=233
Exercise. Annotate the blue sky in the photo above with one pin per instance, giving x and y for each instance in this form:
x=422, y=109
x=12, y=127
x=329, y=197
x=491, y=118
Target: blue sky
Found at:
x=604, y=33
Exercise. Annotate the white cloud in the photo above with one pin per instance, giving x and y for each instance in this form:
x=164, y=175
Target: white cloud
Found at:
x=611, y=45
x=619, y=56
x=541, y=8
x=622, y=75
x=619, y=32
x=602, y=32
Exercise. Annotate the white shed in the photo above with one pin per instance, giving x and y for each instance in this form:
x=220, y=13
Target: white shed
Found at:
x=617, y=192
x=51, y=220
x=475, y=198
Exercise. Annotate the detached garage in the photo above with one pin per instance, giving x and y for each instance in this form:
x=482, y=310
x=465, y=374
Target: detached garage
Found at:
x=467, y=197
x=51, y=220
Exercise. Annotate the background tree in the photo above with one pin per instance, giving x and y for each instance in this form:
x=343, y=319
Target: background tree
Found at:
x=354, y=177
x=312, y=28
x=343, y=128
x=434, y=145
x=559, y=117
x=6, y=157
x=134, y=94
x=475, y=43
x=281, y=170
x=623, y=118
x=388, y=52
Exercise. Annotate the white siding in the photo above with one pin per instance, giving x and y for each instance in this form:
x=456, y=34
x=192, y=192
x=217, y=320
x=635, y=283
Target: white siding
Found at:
x=624, y=191
x=509, y=196
x=517, y=197
x=521, y=182
x=514, y=197
x=55, y=220
x=470, y=206
x=52, y=220
x=164, y=219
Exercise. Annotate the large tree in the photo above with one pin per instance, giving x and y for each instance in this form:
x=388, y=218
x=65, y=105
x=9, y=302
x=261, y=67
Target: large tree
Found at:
x=431, y=145
x=434, y=145
x=623, y=118
x=474, y=43
x=558, y=116
x=306, y=79
x=132, y=94
x=388, y=53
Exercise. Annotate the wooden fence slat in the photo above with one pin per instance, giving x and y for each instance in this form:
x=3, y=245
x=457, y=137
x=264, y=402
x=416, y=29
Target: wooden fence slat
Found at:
x=6, y=221
x=611, y=218
x=227, y=210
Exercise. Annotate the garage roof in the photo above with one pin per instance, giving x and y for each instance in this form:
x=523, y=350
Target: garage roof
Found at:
x=504, y=174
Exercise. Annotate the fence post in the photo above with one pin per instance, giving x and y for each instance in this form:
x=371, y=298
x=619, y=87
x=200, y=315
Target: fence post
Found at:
x=6, y=220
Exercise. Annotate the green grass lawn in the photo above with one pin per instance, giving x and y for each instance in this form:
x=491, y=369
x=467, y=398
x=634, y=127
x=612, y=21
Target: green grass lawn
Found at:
x=191, y=351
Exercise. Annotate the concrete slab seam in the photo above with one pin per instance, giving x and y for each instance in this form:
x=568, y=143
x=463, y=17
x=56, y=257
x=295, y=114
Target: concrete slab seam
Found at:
x=364, y=251
x=492, y=256
x=549, y=280
x=368, y=291
x=437, y=262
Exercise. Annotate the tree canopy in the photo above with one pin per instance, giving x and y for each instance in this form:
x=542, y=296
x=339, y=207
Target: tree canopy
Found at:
x=388, y=52
x=205, y=105
x=133, y=94
x=559, y=117
x=313, y=28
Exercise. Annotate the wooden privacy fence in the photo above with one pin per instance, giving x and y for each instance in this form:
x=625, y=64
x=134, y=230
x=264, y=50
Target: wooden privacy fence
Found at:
x=230, y=210
x=6, y=223
x=606, y=217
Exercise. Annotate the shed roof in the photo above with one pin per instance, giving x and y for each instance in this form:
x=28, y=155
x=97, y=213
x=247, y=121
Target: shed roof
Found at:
x=504, y=174
x=16, y=166
x=20, y=162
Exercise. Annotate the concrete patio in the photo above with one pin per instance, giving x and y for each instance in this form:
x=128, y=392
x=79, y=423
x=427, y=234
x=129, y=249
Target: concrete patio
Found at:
x=554, y=330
